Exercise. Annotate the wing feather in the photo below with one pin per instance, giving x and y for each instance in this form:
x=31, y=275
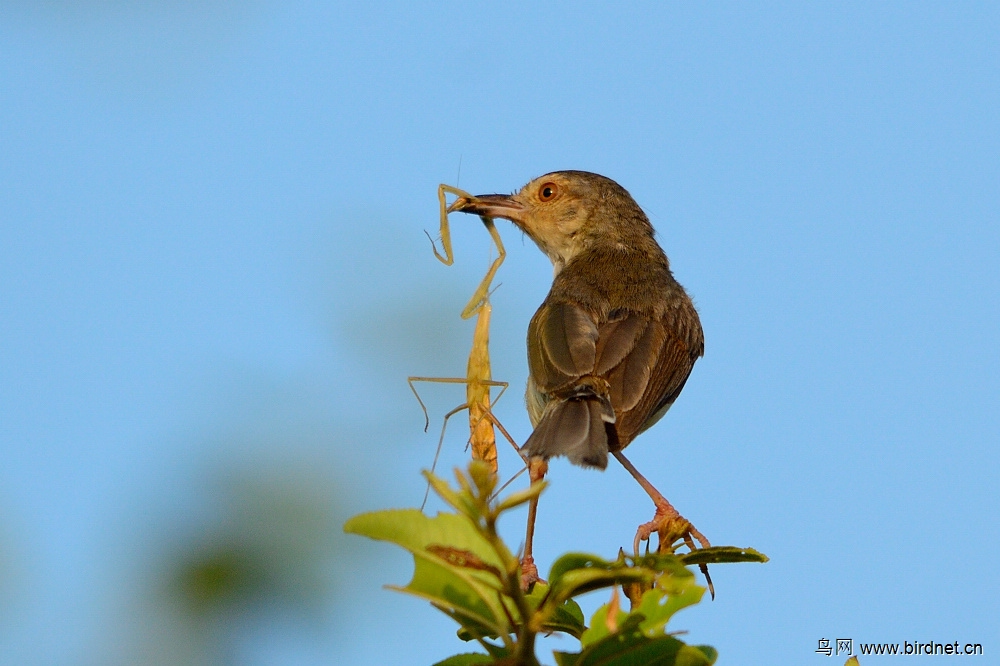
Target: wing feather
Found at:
x=630, y=379
x=562, y=342
x=616, y=339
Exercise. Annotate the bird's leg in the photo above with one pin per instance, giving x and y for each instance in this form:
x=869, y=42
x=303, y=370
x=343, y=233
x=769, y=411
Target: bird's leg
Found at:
x=667, y=522
x=537, y=467
x=669, y=525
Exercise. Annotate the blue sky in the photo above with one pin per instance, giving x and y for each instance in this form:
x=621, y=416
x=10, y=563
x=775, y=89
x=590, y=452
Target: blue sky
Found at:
x=212, y=257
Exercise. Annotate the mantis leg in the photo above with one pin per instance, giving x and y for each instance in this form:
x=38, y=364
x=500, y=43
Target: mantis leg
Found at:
x=445, y=380
x=481, y=294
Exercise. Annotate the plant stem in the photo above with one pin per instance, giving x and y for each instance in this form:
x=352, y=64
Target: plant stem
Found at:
x=524, y=645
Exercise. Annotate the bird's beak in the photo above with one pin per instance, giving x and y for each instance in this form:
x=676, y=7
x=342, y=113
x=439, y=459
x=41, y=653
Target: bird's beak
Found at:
x=490, y=205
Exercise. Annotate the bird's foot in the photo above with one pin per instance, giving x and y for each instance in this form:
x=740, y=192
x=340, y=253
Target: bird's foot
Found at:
x=529, y=573
x=672, y=529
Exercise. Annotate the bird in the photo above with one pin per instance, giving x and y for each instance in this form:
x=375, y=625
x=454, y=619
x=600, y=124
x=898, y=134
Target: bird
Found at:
x=613, y=343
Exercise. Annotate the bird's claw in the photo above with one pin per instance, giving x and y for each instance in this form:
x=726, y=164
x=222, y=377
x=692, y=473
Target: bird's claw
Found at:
x=670, y=528
x=529, y=574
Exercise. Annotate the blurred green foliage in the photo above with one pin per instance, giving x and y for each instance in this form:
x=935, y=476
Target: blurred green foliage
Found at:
x=254, y=556
x=273, y=544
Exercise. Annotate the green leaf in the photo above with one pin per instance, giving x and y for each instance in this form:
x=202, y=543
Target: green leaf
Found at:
x=578, y=581
x=482, y=477
x=567, y=618
x=464, y=559
x=538, y=593
x=467, y=659
x=462, y=502
x=711, y=654
x=599, y=628
x=465, y=599
x=723, y=555
x=663, y=563
x=572, y=561
x=652, y=563
x=659, y=605
x=414, y=531
x=443, y=574
x=651, y=615
x=566, y=658
x=630, y=647
x=576, y=573
x=522, y=496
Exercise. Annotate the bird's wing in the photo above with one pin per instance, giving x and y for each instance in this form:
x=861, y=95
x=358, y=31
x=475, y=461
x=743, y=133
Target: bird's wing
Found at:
x=630, y=354
x=565, y=343
x=562, y=345
x=645, y=384
x=643, y=363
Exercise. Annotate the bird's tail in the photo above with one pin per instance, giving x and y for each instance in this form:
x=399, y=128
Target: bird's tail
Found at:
x=576, y=427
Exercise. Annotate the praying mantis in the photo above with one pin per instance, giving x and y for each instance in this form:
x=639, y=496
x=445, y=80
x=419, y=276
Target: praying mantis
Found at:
x=478, y=380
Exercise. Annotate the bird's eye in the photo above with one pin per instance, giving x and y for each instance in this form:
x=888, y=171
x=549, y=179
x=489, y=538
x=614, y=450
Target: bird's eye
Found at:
x=548, y=192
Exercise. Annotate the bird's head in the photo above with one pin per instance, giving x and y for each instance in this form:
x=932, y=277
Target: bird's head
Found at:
x=567, y=212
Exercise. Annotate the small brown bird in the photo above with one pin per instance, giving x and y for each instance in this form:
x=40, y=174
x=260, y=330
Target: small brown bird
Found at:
x=612, y=345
